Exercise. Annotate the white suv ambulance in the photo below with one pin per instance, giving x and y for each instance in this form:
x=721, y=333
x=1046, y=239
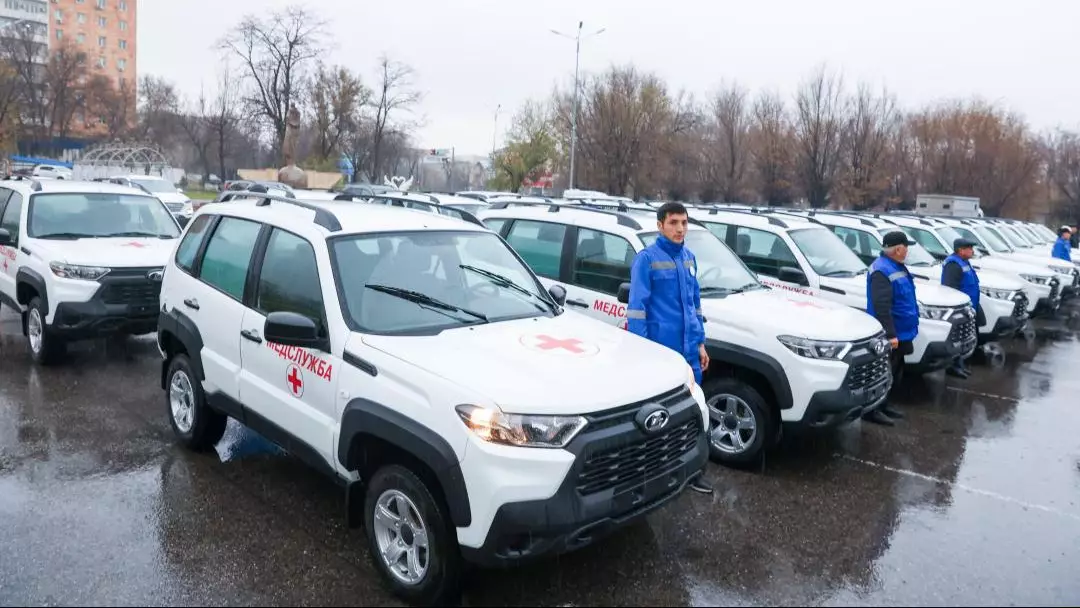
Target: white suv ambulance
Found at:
x=81, y=260
x=1004, y=301
x=777, y=359
x=416, y=359
x=937, y=235
x=800, y=256
x=1024, y=248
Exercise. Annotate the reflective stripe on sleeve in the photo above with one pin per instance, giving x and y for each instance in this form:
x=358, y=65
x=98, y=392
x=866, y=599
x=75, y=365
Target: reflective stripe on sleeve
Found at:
x=635, y=314
x=662, y=265
x=896, y=276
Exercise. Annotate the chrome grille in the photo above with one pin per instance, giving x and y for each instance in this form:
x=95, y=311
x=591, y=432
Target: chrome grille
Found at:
x=1020, y=308
x=629, y=465
x=868, y=374
x=610, y=418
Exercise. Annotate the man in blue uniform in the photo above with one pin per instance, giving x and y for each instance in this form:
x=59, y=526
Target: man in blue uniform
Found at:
x=1063, y=246
x=665, y=298
x=959, y=274
x=890, y=298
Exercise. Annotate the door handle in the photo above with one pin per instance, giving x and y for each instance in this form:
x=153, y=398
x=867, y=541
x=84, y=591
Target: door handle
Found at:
x=251, y=334
x=577, y=303
x=192, y=303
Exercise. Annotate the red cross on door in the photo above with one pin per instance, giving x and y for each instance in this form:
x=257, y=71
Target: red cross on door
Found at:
x=295, y=379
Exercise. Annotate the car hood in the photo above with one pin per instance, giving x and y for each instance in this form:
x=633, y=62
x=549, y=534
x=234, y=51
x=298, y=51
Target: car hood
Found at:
x=987, y=278
x=569, y=364
x=1043, y=259
x=939, y=295
x=125, y=252
x=1001, y=263
x=171, y=197
x=777, y=312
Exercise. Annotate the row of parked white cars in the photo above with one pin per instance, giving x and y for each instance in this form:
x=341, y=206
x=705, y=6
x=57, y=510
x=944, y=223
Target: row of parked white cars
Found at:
x=444, y=362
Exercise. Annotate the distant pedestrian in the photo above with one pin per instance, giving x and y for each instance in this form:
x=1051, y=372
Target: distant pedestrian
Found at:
x=890, y=298
x=1075, y=236
x=1063, y=246
x=959, y=274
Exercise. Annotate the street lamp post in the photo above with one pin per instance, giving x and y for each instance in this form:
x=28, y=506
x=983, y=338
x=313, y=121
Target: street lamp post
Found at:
x=577, y=89
x=495, y=132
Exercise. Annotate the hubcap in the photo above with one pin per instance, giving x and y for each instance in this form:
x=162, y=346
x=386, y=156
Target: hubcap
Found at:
x=33, y=329
x=401, y=536
x=734, y=425
x=182, y=401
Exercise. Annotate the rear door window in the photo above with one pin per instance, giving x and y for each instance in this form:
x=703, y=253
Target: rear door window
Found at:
x=540, y=244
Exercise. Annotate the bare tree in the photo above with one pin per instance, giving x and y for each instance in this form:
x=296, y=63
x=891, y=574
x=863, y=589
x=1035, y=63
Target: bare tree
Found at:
x=337, y=95
x=222, y=121
x=10, y=107
x=819, y=120
x=870, y=129
x=275, y=52
x=394, y=93
x=158, y=110
x=1063, y=169
x=110, y=105
x=772, y=149
x=196, y=126
x=728, y=151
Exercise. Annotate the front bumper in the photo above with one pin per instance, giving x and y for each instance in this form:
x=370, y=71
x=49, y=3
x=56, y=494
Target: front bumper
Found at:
x=961, y=342
x=126, y=303
x=618, y=475
x=1003, y=317
x=864, y=389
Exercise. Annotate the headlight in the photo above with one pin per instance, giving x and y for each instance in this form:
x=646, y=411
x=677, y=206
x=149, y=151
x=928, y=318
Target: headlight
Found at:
x=71, y=271
x=816, y=349
x=1036, y=279
x=937, y=313
x=997, y=294
x=522, y=430
x=188, y=209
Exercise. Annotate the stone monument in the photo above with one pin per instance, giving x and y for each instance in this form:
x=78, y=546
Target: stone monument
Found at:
x=290, y=174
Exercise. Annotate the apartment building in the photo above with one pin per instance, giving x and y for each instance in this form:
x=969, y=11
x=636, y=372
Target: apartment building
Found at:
x=104, y=29
x=17, y=17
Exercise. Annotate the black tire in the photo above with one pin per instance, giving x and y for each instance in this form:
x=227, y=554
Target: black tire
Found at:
x=441, y=583
x=51, y=347
x=206, y=425
x=766, y=428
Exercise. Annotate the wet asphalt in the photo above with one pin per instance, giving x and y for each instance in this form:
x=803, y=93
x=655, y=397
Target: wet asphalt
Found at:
x=973, y=499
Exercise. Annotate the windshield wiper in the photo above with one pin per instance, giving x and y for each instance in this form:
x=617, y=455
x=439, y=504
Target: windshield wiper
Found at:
x=747, y=287
x=499, y=279
x=151, y=235
x=840, y=273
x=424, y=300
x=66, y=235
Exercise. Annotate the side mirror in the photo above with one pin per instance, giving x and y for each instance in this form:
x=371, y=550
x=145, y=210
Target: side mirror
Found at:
x=624, y=293
x=292, y=329
x=558, y=293
x=5, y=237
x=793, y=275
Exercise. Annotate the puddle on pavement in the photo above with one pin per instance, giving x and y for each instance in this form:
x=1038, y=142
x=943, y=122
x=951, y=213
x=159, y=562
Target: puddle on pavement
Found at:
x=240, y=442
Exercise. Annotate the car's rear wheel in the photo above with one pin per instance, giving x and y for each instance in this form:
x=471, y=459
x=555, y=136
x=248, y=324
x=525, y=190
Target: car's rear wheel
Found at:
x=411, y=539
x=46, y=347
x=196, y=425
x=740, y=427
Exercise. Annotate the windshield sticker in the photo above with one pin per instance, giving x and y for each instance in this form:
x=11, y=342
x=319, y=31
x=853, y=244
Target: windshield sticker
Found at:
x=559, y=346
x=786, y=287
x=609, y=308
x=303, y=360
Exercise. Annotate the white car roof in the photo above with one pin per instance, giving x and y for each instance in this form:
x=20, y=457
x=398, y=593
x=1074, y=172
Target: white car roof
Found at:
x=66, y=186
x=352, y=218
x=763, y=221
x=629, y=223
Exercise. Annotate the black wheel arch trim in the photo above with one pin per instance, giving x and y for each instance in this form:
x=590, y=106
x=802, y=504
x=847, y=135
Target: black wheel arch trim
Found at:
x=32, y=278
x=366, y=417
x=738, y=356
x=180, y=326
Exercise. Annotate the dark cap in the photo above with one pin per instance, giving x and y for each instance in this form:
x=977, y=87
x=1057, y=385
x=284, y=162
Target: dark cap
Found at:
x=961, y=243
x=894, y=238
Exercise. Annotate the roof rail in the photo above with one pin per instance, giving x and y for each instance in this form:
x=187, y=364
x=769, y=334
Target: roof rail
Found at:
x=772, y=220
x=854, y=216
x=323, y=217
x=624, y=220
x=35, y=184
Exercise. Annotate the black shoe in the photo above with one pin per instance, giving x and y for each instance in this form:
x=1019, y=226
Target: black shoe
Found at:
x=700, y=485
x=956, y=372
x=891, y=413
x=878, y=418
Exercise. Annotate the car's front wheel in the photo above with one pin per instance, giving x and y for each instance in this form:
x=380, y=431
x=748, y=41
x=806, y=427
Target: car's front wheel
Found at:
x=411, y=539
x=740, y=427
x=46, y=347
x=196, y=425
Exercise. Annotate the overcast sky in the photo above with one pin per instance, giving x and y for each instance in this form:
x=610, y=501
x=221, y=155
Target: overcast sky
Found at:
x=472, y=55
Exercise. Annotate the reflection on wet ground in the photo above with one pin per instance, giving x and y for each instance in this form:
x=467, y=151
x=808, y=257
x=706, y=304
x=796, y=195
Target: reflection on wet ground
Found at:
x=973, y=499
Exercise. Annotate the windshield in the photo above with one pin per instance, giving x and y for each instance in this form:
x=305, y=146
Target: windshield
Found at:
x=1035, y=235
x=966, y=233
x=1015, y=238
x=427, y=281
x=928, y=239
x=92, y=215
x=827, y=254
x=993, y=239
x=948, y=234
x=155, y=185
x=720, y=271
x=917, y=255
